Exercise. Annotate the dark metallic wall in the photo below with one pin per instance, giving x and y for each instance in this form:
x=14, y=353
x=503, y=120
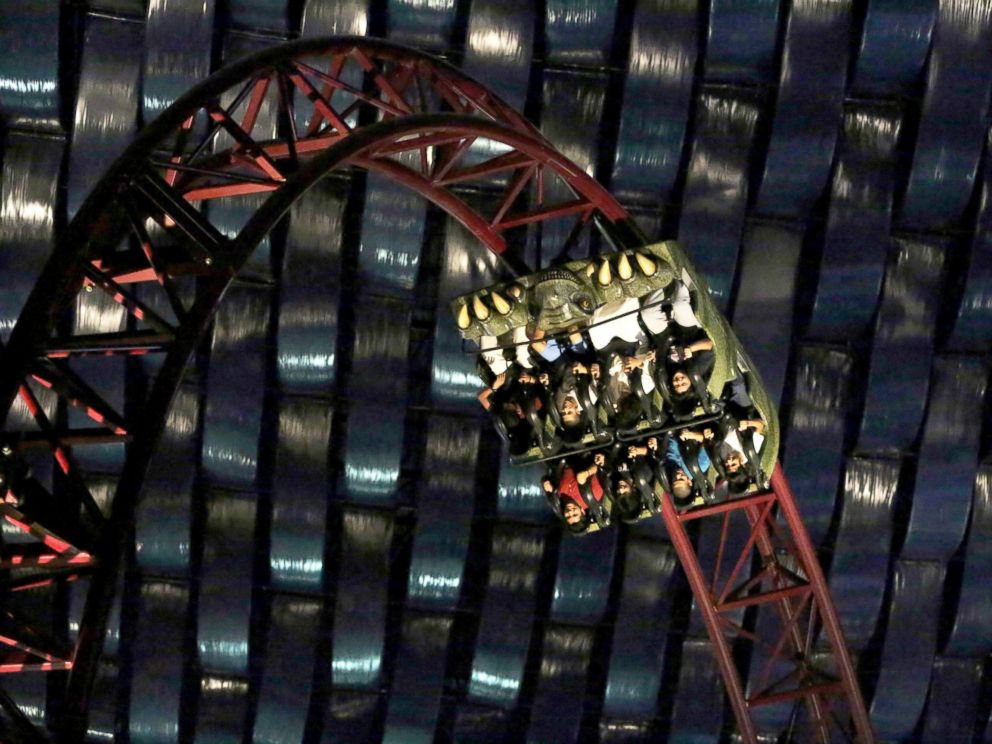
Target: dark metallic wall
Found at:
x=331, y=548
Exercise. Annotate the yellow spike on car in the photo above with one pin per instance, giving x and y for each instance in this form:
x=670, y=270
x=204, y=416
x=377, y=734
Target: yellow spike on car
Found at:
x=624, y=269
x=499, y=302
x=647, y=265
x=605, y=275
x=480, y=310
x=463, y=319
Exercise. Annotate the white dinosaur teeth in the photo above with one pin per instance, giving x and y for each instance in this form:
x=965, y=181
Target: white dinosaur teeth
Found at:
x=624, y=269
x=647, y=265
x=480, y=310
x=499, y=302
x=605, y=275
x=463, y=319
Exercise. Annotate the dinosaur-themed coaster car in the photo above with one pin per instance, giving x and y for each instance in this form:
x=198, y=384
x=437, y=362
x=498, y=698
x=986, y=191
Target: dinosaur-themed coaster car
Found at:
x=621, y=375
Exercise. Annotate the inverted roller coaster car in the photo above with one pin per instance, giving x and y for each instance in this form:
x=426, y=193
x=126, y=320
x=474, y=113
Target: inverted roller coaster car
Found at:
x=621, y=375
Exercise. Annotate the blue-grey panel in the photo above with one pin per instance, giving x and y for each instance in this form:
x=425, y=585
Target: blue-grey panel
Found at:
x=157, y=650
x=445, y=501
x=908, y=652
x=229, y=216
x=29, y=691
x=557, y=713
x=27, y=216
x=971, y=634
x=477, y=724
x=162, y=520
x=900, y=357
x=582, y=584
x=579, y=32
x=350, y=717
x=420, y=24
x=235, y=387
x=499, y=42
x=948, y=459
x=628, y=732
x=96, y=312
x=570, y=118
x=861, y=550
x=270, y=15
x=418, y=679
x=222, y=710
x=465, y=265
x=640, y=631
x=284, y=693
x=814, y=448
x=77, y=598
x=856, y=241
x=765, y=298
x=309, y=292
x=178, y=39
x=392, y=238
x=519, y=494
x=360, y=609
x=372, y=454
x=742, y=39
x=335, y=18
x=106, y=103
x=953, y=120
x=716, y=189
x=507, y=616
x=101, y=724
x=807, y=107
x=300, y=495
x=379, y=355
x=656, y=100
x=953, y=701
x=225, y=582
x=973, y=329
x=697, y=715
x=894, y=43
x=29, y=69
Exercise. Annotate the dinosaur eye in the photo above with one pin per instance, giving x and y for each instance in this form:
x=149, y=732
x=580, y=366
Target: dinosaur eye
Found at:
x=584, y=302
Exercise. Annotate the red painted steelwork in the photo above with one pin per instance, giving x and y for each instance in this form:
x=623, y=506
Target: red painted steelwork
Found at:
x=776, y=570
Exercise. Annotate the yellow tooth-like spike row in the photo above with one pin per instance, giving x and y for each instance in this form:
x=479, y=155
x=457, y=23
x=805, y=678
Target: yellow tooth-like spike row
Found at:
x=480, y=310
x=590, y=269
x=624, y=269
x=464, y=321
x=605, y=275
x=516, y=290
x=499, y=302
x=647, y=265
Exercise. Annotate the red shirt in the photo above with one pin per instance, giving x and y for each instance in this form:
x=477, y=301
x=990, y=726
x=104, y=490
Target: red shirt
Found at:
x=569, y=488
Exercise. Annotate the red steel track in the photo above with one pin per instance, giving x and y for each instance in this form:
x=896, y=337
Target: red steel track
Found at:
x=274, y=124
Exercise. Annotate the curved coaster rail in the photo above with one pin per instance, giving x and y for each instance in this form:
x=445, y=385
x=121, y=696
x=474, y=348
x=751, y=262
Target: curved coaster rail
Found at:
x=273, y=124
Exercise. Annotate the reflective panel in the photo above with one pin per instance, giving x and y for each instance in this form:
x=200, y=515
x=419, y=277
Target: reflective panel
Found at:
x=910, y=643
x=894, y=44
x=294, y=625
x=499, y=43
x=856, y=242
x=656, y=100
x=29, y=75
x=360, y=609
x=235, y=388
x=952, y=129
x=421, y=23
x=225, y=582
x=154, y=716
x=861, y=550
x=444, y=499
x=901, y=351
x=556, y=714
x=300, y=488
x=808, y=105
x=178, y=38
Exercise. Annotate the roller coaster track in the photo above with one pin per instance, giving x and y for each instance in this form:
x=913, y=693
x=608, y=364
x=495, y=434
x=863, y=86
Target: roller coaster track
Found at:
x=274, y=124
